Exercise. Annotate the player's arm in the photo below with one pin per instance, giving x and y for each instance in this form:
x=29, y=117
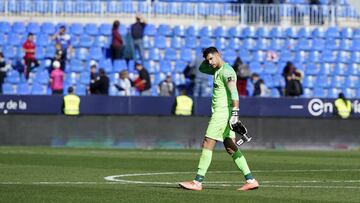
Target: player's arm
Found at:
x=206, y=68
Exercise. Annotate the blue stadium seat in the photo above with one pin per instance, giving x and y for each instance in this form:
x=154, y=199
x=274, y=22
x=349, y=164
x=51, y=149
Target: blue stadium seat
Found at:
x=347, y=33
x=355, y=57
x=116, y=67
x=268, y=80
x=345, y=44
x=160, y=42
x=33, y=27
x=23, y=89
x=191, y=42
x=180, y=66
x=40, y=53
x=333, y=92
x=109, y=67
x=337, y=81
x=19, y=27
x=276, y=32
x=164, y=30
x=14, y=39
x=276, y=44
x=308, y=93
x=48, y=28
x=326, y=69
x=152, y=66
x=80, y=89
x=229, y=56
x=235, y=32
x=105, y=29
x=256, y=67
x=91, y=29
x=12, y=76
x=186, y=55
x=323, y=81
x=352, y=82
x=304, y=32
x=309, y=81
x=76, y=65
x=328, y=56
x=314, y=56
x=8, y=89
x=248, y=44
x=318, y=32
x=342, y=57
x=319, y=92
x=147, y=43
x=206, y=31
x=192, y=31
x=332, y=32
x=42, y=77
x=165, y=66
x=330, y=44
x=275, y=93
x=353, y=69
x=102, y=41
x=340, y=69
x=176, y=42
x=286, y=56
x=249, y=32
x=234, y=44
x=355, y=45
x=81, y=53
x=291, y=32
x=150, y=30
x=42, y=40
x=290, y=44
x=50, y=51
x=262, y=32
x=154, y=54
x=179, y=30
x=170, y=54
x=270, y=68
x=220, y=31
x=3, y=40
x=303, y=44
x=312, y=69
x=245, y=55
x=5, y=27
x=76, y=29
x=206, y=42
x=96, y=53
x=318, y=44
x=261, y=44
x=258, y=56
x=86, y=41
x=220, y=43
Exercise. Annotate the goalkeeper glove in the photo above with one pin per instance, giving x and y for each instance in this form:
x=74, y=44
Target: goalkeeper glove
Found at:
x=234, y=117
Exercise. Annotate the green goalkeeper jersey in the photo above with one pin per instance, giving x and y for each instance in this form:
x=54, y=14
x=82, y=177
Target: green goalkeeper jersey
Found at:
x=222, y=94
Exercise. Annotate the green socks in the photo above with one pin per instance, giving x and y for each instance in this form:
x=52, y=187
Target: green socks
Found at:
x=241, y=163
x=204, y=163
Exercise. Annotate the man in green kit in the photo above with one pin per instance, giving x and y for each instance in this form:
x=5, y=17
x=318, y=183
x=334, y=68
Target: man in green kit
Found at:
x=224, y=119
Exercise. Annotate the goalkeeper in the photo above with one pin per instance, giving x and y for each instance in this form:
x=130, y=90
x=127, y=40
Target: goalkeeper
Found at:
x=225, y=107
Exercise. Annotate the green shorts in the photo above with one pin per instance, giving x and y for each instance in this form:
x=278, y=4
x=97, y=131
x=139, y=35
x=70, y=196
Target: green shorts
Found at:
x=218, y=128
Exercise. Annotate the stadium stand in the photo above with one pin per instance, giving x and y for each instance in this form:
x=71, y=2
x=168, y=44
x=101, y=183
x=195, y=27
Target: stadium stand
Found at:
x=327, y=55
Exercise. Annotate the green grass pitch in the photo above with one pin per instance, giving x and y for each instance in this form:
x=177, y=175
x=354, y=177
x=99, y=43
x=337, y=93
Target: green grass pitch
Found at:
x=40, y=174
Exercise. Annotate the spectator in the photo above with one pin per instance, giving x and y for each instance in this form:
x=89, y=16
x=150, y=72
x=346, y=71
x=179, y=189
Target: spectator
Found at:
x=167, y=87
x=183, y=105
x=200, y=79
x=129, y=50
x=260, y=89
x=57, y=78
x=293, y=77
x=101, y=85
x=60, y=56
x=124, y=85
x=29, y=48
x=3, y=69
x=242, y=73
x=64, y=40
x=93, y=76
x=142, y=83
x=342, y=106
x=137, y=32
x=71, y=105
x=117, y=44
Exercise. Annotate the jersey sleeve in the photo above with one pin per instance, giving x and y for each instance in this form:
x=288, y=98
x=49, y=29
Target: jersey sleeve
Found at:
x=206, y=68
x=229, y=78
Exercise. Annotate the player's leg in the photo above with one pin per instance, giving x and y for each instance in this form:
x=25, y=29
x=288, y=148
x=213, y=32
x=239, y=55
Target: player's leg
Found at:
x=241, y=163
x=204, y=163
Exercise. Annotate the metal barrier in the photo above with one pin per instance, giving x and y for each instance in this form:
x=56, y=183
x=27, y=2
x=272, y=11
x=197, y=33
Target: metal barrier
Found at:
x=274, y=14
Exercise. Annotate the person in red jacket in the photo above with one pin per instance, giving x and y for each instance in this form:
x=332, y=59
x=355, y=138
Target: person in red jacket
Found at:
x=29, y=57
x=117, y=44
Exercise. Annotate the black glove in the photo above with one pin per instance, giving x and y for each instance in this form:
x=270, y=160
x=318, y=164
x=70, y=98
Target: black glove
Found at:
x=239, y=128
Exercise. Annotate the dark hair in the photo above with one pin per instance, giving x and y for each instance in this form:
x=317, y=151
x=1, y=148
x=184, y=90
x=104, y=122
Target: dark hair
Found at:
x=93, y=66
x=101, y=71
x=30, y=34
x=63, y=27
x=255, y=75
x=2, y=55
x=70, y=90
x=209, y=50
x=116, y=25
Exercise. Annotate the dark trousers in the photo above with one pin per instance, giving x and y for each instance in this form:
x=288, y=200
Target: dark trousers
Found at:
x=30, y=63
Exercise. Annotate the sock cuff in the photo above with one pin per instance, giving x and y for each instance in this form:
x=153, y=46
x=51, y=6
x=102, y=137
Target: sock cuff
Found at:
x=237, y=154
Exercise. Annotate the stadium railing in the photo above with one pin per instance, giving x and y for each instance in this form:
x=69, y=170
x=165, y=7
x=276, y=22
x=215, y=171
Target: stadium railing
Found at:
x=291, y=14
